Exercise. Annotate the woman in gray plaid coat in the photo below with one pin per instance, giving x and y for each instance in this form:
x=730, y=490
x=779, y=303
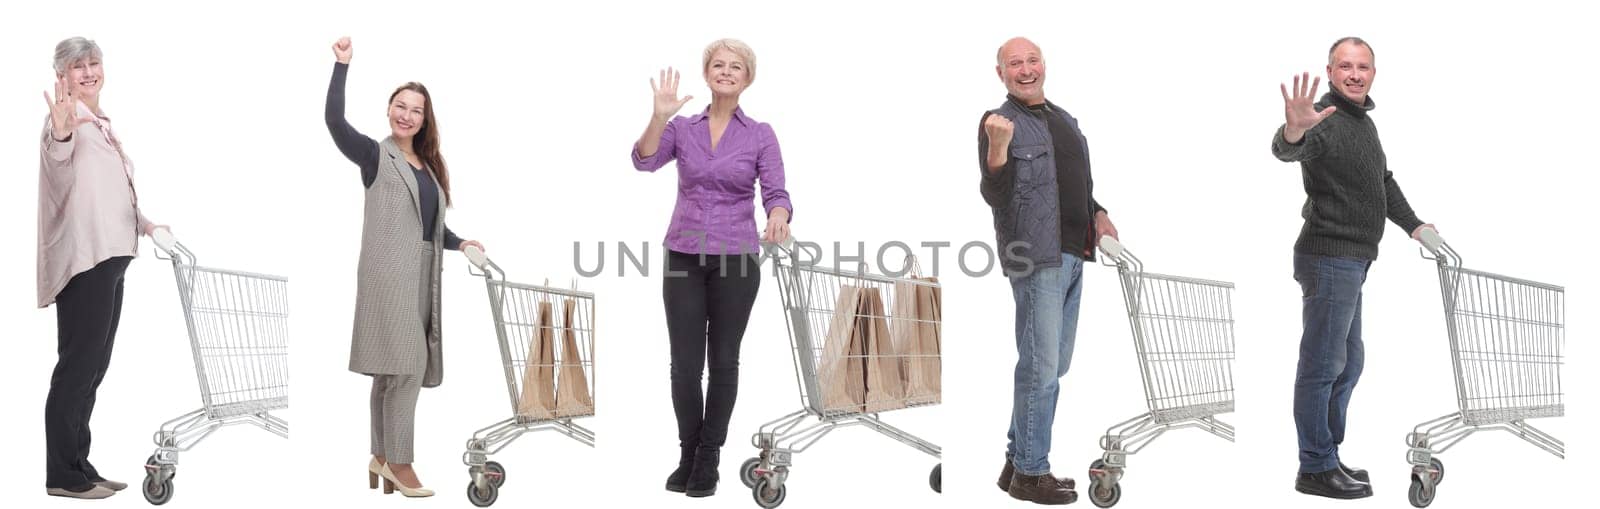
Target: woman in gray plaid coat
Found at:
x=403, y=237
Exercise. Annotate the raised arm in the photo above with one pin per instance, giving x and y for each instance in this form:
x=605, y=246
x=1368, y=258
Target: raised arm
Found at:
x=1294, y=141
x=997, y=178
x=356, y=147
x=657, y=145
x=56, y=143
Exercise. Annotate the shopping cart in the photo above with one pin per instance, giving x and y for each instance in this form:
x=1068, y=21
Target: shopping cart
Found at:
x=1506, y=336
x=238, y=326
x=809, y=294
x=1183, y=335
x=517, y=323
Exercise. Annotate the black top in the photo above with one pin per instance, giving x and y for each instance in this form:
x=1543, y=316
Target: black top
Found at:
x=364, y=151
x=1072, y=176
x=1349, y=188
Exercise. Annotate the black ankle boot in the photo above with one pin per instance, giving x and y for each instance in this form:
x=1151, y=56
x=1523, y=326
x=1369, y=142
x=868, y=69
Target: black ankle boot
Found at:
x=703, y=478
x=678, y=482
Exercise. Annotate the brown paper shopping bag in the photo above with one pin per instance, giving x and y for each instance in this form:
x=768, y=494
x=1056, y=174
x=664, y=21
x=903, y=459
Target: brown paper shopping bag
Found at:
x=538, y=399
x=572, y=385
x=924, y=373
x=907, y=327
x=885, y=385
x=841, y=371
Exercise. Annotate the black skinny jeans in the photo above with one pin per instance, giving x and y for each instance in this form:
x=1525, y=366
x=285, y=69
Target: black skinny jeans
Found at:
x=708, y=301
x=87, y=311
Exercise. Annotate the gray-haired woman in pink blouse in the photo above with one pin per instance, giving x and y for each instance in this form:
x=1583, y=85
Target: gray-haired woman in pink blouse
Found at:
x=89, y=224
x=713, y=271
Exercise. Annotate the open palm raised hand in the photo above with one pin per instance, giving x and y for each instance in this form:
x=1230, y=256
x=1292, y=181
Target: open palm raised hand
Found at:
x=1299, y=109
x=64, y=110
x=667, y=102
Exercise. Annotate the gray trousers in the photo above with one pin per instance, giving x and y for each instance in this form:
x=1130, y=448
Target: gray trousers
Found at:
x=394, y=416
x=394, y=397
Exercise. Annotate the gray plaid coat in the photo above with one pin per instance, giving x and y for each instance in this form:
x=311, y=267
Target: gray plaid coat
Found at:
x=397, y=279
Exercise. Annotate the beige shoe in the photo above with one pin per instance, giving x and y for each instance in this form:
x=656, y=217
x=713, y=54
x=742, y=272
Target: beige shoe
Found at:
x=96, y=492
x=391, y=485
x=375, y=470
x=111, y=485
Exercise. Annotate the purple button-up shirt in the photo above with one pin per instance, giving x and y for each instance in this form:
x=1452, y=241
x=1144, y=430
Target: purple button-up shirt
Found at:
x=715, y=213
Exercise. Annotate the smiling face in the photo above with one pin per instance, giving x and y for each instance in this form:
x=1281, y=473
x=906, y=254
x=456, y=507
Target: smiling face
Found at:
x=1351, y=70
x=85, y=78
x=1021, y=68
x=726, y=73
x=407, y=113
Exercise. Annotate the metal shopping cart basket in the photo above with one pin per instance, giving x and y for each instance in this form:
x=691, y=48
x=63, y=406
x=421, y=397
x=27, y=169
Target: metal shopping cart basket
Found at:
x=1506, y=336
x=809, y=295
x=519, y=323
x=238, y=325
x=1183, y=335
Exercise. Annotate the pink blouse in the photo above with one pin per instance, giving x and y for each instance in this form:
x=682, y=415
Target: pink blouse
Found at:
x=88, y=210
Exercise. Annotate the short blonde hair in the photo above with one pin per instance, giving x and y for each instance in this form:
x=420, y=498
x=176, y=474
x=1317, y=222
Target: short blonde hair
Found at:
x=735, y=46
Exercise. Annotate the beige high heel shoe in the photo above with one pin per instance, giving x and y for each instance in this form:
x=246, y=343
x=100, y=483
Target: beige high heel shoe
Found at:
x=374, y=470
x=391, y=485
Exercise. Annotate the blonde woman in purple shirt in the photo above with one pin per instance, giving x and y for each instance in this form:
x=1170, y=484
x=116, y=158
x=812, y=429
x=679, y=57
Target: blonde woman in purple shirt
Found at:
x=713, y=272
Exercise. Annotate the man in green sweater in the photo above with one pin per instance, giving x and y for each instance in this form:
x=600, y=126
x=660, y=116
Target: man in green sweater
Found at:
x=1349, y=193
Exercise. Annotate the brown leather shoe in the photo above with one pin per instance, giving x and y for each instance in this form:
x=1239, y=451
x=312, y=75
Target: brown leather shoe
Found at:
x=1005, y=478
x=1041, y=489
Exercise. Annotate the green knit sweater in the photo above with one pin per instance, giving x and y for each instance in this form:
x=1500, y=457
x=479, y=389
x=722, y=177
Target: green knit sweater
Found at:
x=1349, y=188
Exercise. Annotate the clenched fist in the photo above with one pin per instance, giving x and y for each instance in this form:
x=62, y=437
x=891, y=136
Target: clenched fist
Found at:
x=342, y=50
x=999, y=130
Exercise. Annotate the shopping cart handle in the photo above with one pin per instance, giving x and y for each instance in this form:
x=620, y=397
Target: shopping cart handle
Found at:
x=476, y=256
x=1110, y=246
x=1432, y=240
x=165, y=240
x=787, y=245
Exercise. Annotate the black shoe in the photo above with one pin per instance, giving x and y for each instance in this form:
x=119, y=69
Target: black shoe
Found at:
x=1332, y=484
x=1356, y=473
x=1005, y=478
x=703, y=477
x=1041, y=489
x=678, y=482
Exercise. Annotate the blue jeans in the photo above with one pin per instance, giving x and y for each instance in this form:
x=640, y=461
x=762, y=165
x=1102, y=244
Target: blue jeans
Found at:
x=1047, y=324
x=1331, y=354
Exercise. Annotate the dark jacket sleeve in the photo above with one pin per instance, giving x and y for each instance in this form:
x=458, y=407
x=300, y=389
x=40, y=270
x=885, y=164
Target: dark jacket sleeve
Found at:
x=1310, y=146
x=357, y=147
x=996, y=187
x=1399, y=210
x=451, y=241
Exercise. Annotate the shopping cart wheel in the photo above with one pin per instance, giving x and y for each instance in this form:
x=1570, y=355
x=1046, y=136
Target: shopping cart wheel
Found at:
x=766, y=496
x=496, y=473
x=1420, y=495
x=484, y=497
x=156, y=493
x=747, y=472
x=1104, y=494
x=1438, y=466
x=151, y=462
x=933, y=477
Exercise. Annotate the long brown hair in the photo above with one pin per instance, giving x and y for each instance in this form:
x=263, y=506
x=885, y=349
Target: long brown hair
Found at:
x=426, y=142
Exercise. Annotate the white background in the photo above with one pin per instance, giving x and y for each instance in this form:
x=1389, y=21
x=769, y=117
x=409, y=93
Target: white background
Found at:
x=1483, y=108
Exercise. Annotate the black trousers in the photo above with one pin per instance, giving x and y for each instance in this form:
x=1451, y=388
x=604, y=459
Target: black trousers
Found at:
x=87, y=311
x=708, y=301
